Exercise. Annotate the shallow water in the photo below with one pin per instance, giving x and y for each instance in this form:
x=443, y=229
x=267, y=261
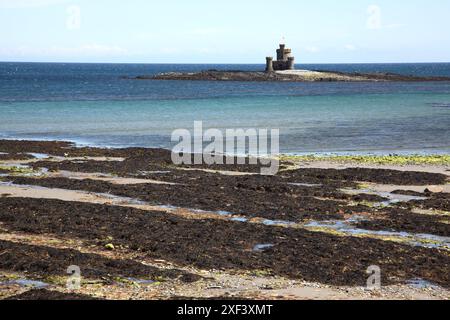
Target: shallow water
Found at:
x=26, y=283
x=422, y=284
x=393, y=198
x=143, y=173
x=92, y=104
x=262, y=247
x=309, y=185
x=32, y=172
x=39, y=156
x=239, y=219
x=281, y=223
x=420, y=240
x=141, y=281
x=121, y=200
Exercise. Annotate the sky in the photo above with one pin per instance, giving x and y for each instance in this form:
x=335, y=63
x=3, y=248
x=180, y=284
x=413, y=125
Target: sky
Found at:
x=225, y=31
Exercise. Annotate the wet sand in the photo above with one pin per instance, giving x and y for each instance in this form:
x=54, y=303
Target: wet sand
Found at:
x=140, y=227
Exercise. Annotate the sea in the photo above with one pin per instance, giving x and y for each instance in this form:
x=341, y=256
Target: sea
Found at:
x=100, y=105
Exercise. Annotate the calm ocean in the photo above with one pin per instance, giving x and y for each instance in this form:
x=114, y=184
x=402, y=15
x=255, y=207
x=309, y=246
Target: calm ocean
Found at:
x=92, y=104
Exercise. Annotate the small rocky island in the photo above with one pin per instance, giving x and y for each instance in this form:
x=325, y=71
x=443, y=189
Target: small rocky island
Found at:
x=283, y=70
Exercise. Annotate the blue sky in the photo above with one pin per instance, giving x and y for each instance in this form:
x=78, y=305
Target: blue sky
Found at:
x=231, y=31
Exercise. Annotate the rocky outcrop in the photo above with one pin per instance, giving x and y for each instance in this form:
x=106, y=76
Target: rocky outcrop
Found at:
x=288, y=76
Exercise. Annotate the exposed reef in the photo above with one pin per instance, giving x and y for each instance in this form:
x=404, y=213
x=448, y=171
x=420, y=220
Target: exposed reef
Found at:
x=141, y=227
x=288, y=76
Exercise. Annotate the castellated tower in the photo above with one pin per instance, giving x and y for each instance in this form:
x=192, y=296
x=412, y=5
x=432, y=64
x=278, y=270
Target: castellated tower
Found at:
x=285, y=60
x=269, y=64
x=291, y=63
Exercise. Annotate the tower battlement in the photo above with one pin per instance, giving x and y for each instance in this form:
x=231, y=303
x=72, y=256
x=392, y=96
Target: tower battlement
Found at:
x=285, y=60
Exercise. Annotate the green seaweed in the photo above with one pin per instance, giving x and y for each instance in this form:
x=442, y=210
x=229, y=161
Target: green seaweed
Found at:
x=373, y=159
x=15, y=169
x=19, y=171
x=56, y=280
x=261, y=273
x=10, y=277
x=127, y=282
x=109, y=246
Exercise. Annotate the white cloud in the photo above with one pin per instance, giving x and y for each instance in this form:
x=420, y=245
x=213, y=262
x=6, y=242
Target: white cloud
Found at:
x=350, y=47
x=206, y=50
x=168, y=50
x=173, y=33
x=394, y=26
x=312, y=49
x=90, y=49
x=87, y=50
x=12, y=4
x=145, y=36
x=204, y=31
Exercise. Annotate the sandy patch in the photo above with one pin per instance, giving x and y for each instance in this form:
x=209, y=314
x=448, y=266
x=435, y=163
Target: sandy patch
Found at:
x=390, y=188
x=222, y=172
x=341, y=166
x=309, y=75
x=104, y=177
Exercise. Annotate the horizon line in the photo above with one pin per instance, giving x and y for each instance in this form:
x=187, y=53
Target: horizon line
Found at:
x=220, y=63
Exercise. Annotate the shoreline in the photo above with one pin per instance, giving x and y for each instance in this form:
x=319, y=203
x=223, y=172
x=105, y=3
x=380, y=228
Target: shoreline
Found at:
x=305, y=155
x=256, y=231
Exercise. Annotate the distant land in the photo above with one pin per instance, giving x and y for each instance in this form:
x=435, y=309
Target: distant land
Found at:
x=283, y=69
x=288, y=76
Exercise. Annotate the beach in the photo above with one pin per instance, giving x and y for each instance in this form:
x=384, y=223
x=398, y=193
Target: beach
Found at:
x=140, y=227
x=224, y=159
x=359, y=208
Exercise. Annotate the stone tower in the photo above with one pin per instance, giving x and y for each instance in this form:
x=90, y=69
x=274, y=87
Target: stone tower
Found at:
x=269, y=64
x=285, y=60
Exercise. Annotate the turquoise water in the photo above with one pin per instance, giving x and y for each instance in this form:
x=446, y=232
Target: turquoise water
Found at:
x=92, y=104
